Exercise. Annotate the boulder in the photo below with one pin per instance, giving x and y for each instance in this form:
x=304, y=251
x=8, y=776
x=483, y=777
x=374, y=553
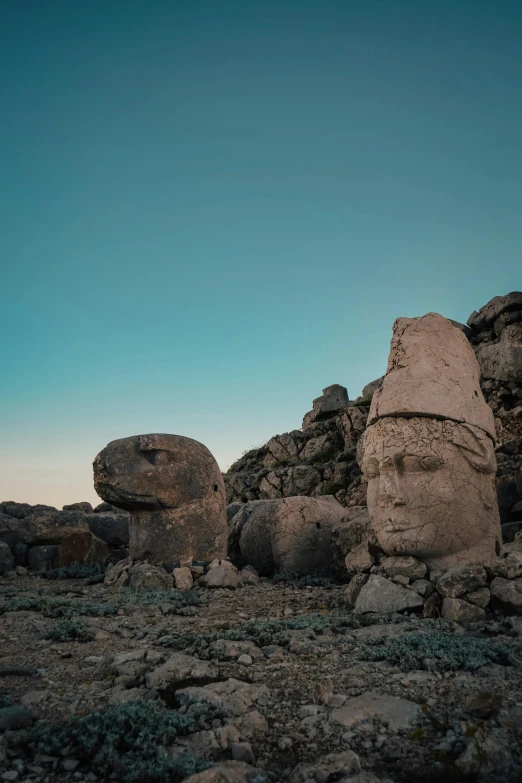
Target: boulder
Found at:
x=507, y=594
x=502, y=360
x=113, y=528
x=359, y=560
x=180, y=670
x=495, y=307
x=399, y=714
x=384, y=597
x=334, y=766
x=81, y=548
x=462, y=612
x=41, y=558
x=183, y=578
x=460, y=580
x=353, y=529
x=7, y=561
x=223, y=574
x=51, y=527
x=333, y=398
x=291, y=533
x=146, y=576
x=83, y=506
x=227, y=772
x=175, y=491
x=404, y=565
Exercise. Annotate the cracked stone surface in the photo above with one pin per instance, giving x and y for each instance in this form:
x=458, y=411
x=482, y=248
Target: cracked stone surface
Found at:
x=431, y=490
x=432, y=371
x=174, y=490
x=291, y=533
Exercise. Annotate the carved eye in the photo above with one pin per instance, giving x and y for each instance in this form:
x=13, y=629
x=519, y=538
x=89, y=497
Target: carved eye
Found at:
x=157, y=457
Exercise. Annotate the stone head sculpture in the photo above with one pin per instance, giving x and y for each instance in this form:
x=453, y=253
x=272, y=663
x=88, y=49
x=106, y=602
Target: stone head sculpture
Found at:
x=173, y=488
x=428, y=453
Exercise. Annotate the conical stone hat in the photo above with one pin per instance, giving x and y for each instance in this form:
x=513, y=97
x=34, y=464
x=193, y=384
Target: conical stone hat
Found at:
x=432, y=371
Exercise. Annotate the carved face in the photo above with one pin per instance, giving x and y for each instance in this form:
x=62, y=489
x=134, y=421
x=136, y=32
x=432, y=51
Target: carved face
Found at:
x=431, y=490
x=156, y=471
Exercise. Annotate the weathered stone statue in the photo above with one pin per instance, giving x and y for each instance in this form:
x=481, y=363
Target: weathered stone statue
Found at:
x=428, y=453
x=173, y=488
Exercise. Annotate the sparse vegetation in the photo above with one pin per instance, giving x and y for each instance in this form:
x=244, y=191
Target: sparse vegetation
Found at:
x=71, y=631
x=75, y=571
x=317, y=578
x=442, y=652
x=129, y=739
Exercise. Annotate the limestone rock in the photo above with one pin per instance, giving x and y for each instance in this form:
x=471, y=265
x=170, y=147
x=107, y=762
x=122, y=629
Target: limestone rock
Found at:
x=113, y=528
x=384, y=597
x=41, y=558
x=462, y=612
x=480, y=597
x=334, y=766
x=333, y=398
x=292, y=533
x=183, y=578
x=83, y=506
x=399, y=713
x=501, y=360
x=81, y=548
x=431, y=490
x=354, y=588
x=222, y=575
x=359, y=560
x=432, y=371
x=144, y=575
x=226, y=772
x=460, y=580
x=404, y=566
x=507, y=594
x=175, y=491
x=6, y=559
x=117, y=575
x=494, y=308
x=234, y=695
x=179, y=669
x=51, y=526
x=353, y=529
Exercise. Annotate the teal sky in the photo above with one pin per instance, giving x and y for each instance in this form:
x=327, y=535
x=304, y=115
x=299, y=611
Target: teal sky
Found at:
x=212, y=210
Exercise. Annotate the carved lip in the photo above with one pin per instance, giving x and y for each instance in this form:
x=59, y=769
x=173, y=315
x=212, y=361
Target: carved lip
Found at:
x=398, y=526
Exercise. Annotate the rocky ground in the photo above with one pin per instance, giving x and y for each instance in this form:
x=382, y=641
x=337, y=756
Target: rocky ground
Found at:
x=274, y=681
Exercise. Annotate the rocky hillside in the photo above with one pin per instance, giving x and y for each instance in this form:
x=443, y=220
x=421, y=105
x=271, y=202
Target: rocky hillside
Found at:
x=320, y=458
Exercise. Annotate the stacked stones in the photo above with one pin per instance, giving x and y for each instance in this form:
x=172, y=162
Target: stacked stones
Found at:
x=467, y=594
x=42, y=537
x=495, y=332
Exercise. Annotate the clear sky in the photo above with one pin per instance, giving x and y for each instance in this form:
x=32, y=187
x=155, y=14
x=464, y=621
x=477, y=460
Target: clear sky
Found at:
x=212, y=210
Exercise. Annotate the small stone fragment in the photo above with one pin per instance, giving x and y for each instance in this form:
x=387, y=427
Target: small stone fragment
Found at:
x=462, y=612
x=404, y=566
x=183, y=578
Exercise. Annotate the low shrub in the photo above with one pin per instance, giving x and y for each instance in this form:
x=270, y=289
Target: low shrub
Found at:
x=314, y=578
x=71, y=631
x=128, y=740
x=75, y=571
x=441, y=651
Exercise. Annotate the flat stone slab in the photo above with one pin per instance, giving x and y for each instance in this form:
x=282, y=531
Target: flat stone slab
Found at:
x=398, y=713
x=384, y=597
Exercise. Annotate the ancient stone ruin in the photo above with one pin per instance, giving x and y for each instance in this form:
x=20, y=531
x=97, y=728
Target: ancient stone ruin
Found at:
x=173, y=488
x=428, y=453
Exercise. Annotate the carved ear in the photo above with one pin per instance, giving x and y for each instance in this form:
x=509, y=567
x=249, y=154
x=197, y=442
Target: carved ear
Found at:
x=475, y=446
